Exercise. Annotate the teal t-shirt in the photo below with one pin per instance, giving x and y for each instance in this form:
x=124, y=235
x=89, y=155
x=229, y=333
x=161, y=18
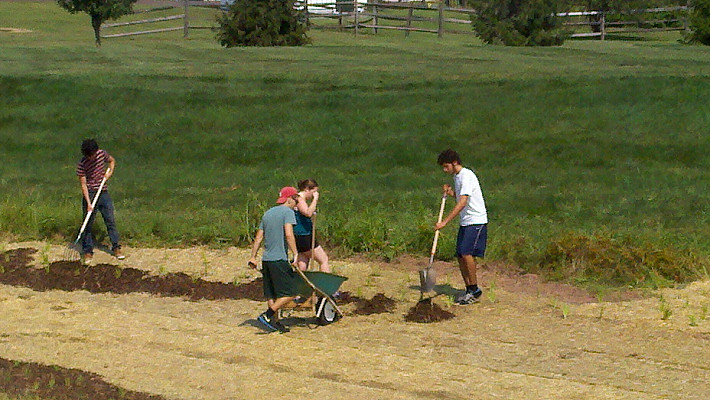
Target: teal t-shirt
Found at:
x=272, y=223
x=304, y=225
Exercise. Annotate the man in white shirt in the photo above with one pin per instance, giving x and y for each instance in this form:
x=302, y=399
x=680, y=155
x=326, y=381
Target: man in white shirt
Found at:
x=473, y=228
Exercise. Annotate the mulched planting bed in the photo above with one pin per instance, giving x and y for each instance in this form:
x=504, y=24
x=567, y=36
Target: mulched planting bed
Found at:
x=19, y=378
x=71, y=275
x=427, y=311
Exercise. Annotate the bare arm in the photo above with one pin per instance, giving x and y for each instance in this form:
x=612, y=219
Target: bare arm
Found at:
x=460, y=205
x=255, y=247
x=111, y=167
x=304, y=208
x=85, y=192
x=291, y=241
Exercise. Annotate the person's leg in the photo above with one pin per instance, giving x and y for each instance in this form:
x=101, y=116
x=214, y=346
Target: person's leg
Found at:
x=87, y=240
x=105, y=206
x=303, y=260
x=467, y=265
x=322, y=258
x=280, y=302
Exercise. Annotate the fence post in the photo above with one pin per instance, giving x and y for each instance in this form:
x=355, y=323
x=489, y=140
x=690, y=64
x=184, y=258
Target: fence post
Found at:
x=305, y=9
x=441, y=18
x=357, y=19
x=186, y=20
x=375, y=15
x=409, y=18
x=603, y=26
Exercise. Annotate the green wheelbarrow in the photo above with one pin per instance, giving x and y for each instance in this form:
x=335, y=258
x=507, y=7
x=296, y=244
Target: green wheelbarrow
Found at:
x=321, y=286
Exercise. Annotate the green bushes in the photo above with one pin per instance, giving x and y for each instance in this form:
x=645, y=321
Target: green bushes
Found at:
x=699, y=22
x=519, y=22
x=261, y=23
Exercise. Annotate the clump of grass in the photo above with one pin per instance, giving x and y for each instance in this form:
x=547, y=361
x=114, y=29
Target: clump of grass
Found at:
x=664, y=308
x=616, y=262
x=692, y=320
x=44, y=257
x=491, y=293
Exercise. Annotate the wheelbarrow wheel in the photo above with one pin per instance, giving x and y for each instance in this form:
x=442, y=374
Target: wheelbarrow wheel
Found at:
x=327, y=314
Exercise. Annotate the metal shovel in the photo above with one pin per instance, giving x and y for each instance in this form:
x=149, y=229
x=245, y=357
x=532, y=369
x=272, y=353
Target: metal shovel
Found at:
x=427, y=276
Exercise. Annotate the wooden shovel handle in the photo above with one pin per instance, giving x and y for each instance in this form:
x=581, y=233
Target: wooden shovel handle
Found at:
x=436, y=234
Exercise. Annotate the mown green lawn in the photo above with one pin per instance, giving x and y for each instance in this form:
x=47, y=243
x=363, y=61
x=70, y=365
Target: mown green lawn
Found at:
x=603, y=139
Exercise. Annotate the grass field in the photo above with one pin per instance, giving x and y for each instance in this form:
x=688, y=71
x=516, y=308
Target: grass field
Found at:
x=604, y=140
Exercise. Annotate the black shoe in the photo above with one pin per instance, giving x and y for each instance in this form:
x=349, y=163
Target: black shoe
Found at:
x=269, y=323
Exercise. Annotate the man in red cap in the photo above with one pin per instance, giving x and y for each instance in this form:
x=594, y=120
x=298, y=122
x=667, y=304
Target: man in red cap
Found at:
x=276, y=232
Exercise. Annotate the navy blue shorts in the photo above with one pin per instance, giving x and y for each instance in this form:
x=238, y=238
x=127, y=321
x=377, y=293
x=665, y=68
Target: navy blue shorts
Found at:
x=471, y=240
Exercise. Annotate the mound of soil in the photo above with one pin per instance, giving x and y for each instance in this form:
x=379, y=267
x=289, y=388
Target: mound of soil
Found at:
x=427, y=311
x=71, y=275
x=53, y=382
x=377, y=305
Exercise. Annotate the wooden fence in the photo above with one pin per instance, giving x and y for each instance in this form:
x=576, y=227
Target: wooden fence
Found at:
x=437, y=18
x=182, y=5
x=431, y=17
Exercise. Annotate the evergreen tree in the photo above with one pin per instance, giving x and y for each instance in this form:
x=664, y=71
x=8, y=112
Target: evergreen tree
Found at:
x=262, y=23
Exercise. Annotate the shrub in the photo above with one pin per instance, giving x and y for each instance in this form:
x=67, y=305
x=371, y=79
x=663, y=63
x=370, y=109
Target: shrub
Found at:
x=262, y=23
x=699, y=22
x=519, y=22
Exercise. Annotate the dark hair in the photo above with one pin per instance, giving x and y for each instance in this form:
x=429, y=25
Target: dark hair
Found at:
x=449, y=156
x=89, y=147
x=307, y=184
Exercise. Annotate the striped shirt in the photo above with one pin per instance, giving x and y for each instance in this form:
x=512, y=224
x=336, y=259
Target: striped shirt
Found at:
x=93, y=169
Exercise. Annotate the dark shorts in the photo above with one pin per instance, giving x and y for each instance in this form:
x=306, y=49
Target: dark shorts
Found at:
x=303, y=243
x=471, y=240
x=279, y=279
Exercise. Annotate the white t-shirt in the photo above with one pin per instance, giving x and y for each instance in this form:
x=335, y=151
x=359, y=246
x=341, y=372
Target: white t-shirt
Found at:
x=466, y=184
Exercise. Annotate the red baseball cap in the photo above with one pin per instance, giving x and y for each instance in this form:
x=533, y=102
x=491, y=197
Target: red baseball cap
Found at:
x=285, y=193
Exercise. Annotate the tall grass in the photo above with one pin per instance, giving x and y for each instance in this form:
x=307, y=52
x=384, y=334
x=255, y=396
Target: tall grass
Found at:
x=592, y=138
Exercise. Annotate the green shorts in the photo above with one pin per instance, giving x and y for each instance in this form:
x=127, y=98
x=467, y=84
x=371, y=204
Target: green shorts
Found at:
x=280, y=280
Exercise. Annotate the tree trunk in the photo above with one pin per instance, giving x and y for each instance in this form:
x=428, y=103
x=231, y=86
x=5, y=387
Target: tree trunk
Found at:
x=96, y=24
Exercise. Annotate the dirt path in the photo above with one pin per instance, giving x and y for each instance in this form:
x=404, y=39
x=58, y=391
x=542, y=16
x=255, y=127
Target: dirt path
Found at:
x=514, y=344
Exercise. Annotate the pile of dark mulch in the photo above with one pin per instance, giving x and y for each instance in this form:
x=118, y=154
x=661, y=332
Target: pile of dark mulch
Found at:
x=57, y=383
x=71, y=275
x=427, y=311
x=377, y=305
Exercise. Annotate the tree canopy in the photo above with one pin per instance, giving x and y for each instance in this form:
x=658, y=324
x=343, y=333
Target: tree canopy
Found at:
x=99, y=11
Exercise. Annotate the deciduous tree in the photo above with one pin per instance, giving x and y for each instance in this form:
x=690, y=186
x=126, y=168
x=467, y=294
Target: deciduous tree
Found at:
x=99, y=11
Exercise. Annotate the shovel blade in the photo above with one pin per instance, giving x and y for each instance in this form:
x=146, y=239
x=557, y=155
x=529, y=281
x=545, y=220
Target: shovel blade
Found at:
x=427, y=279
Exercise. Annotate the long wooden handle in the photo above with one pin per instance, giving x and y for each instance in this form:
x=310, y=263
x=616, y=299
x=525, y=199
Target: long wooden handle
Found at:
x=93, y=204
x=436, y=234
x=313, y=232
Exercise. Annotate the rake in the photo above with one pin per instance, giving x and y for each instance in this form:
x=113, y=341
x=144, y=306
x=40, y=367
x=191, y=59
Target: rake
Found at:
x=71, y=253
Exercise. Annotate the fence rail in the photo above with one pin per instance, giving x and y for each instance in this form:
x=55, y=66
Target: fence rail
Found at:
x=430, y=18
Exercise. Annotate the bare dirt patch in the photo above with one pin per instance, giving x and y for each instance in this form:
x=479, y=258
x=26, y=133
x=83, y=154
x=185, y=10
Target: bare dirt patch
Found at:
x=378, y=304
x=516, y=344
x=105, y=278
x=426, y=311
x=14, y=30
x=19, y=378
